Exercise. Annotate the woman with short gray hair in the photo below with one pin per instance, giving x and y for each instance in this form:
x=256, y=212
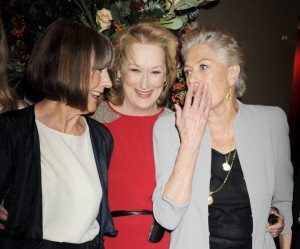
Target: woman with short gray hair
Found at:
x=221, y=164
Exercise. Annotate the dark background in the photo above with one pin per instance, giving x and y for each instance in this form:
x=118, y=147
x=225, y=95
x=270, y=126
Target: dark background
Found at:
x=268, y=31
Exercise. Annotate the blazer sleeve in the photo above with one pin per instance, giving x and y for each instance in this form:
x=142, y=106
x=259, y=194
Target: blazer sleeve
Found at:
x=6, y=151
x=165, y=147
x=283, y=189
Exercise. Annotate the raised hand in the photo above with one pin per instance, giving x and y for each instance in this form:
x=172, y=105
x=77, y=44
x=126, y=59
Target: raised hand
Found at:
x=191, y=121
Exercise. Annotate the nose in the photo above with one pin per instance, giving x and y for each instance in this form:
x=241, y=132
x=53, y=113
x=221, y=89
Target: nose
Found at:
x=144, y=81
x=105, y=79
x=194, y=79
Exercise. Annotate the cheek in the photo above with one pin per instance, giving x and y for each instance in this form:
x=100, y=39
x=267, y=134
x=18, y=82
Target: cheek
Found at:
x=158, y=82
x=129, y=80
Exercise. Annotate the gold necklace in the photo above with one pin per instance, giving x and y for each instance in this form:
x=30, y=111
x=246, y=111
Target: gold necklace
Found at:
x=226, y=166
x=210, y=198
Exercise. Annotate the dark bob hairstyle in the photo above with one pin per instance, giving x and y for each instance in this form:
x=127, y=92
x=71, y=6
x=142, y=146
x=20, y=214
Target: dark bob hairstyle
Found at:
x=60, y=64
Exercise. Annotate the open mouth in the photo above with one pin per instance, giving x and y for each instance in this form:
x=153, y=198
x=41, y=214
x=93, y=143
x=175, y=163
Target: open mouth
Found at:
x=144, y=93
x=95, y=94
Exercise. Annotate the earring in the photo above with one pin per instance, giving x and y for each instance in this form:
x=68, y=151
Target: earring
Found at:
x=165, y=83
x=228, y=96
x=118, y=79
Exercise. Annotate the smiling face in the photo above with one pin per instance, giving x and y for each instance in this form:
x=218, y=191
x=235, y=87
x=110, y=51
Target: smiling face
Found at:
x=202, y=65
x=143, y=76
x=99, y=80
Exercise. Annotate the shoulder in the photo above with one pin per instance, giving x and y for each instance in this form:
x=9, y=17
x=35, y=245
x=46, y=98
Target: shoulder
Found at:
x=165, y=122
x=104, y=114
x=166, y=111
x=17, y=124
x=262, y=111
x=17, y=117
x=269, y=116
x=97, y=127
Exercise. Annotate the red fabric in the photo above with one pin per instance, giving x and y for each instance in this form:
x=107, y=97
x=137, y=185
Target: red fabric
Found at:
x=131, y=181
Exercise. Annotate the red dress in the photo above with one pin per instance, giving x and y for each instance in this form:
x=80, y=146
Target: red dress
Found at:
x=131, y=181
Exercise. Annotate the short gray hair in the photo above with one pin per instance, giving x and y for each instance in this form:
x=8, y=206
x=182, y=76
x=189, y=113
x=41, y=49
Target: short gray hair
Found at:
x=227, y=46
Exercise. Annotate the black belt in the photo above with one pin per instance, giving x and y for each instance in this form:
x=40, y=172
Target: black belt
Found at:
x=128, y=213
x=156, y=232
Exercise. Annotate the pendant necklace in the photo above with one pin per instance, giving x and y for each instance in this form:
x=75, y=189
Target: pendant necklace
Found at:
x=226, y=167
x=210, y=198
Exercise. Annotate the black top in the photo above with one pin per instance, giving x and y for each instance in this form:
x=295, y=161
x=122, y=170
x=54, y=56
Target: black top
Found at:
x=230, y=217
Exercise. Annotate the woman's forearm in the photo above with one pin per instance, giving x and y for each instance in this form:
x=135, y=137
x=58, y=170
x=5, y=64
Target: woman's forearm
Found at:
x=285, y=241
x=179, y=186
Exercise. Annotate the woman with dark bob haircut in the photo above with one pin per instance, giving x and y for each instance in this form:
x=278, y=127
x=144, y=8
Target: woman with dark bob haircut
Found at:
x=54, y=158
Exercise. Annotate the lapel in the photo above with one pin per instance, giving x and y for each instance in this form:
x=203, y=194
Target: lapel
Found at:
x=252, y=158
x=100, y=157
x=101, y=152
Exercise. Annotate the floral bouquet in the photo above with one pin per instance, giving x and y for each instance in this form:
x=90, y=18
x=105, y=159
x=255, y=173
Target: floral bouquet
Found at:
x=111, y=17
x=25, y=20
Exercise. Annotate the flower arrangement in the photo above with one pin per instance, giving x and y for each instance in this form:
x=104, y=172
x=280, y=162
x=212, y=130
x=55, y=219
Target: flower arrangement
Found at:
x=114, y=16
x=26, y=20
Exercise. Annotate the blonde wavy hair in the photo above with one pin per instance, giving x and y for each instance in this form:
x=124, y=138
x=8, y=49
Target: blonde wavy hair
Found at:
x=145, y=33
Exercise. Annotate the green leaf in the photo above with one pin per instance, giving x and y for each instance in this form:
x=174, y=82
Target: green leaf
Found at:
x=175, y=24
x=183, y=4
x=85, y=22
x=116, y=14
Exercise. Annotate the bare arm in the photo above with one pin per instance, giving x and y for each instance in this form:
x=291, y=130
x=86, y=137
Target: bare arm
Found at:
x=285, y=241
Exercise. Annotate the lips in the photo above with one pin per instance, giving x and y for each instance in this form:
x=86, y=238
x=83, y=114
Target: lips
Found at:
x=96, y=94
x=144, y=93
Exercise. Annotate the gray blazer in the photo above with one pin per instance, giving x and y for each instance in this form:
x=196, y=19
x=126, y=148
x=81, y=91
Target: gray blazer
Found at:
x=261, y=135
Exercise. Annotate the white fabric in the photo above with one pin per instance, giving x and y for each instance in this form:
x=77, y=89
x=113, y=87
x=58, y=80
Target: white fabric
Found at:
x=71, y=189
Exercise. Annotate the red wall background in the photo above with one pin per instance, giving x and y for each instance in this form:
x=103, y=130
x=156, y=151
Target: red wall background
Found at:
x=295, y=98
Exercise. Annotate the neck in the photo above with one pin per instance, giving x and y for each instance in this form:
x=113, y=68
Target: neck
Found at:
x=220, y=124
x=129, y=110
x=58, y=116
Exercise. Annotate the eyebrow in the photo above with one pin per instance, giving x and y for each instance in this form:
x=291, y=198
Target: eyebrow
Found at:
x=155, y=67
x=197, y=62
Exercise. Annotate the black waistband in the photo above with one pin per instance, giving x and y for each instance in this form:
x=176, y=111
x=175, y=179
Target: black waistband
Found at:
x=9, y=242
x=56, y=245
x=128, y=213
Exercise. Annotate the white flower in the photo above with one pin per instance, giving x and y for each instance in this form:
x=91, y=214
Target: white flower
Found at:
x=103, y=17
x=175, y=1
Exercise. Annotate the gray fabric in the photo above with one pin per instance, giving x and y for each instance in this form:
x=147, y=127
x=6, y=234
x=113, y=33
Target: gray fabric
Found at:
x=261, y=135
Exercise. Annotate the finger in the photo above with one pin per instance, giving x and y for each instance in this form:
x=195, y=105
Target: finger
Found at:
x=1, y=227
x=3, y=217
x=204, y=98
x=3, y=210
x=207, y=108
x=189, y=96
x=178, y=112
x=272, y=232
x=198, y=95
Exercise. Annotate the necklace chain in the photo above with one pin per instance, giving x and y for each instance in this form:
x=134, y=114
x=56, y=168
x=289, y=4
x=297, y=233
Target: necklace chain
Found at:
x=222, y=185
x=223, y=151
x=210, y=198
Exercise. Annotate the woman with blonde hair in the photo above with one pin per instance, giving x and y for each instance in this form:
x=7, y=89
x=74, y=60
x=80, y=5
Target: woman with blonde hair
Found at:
x=142, y=73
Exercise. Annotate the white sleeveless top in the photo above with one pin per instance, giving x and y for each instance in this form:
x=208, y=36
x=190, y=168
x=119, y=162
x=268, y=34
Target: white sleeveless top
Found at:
x=71, y=190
